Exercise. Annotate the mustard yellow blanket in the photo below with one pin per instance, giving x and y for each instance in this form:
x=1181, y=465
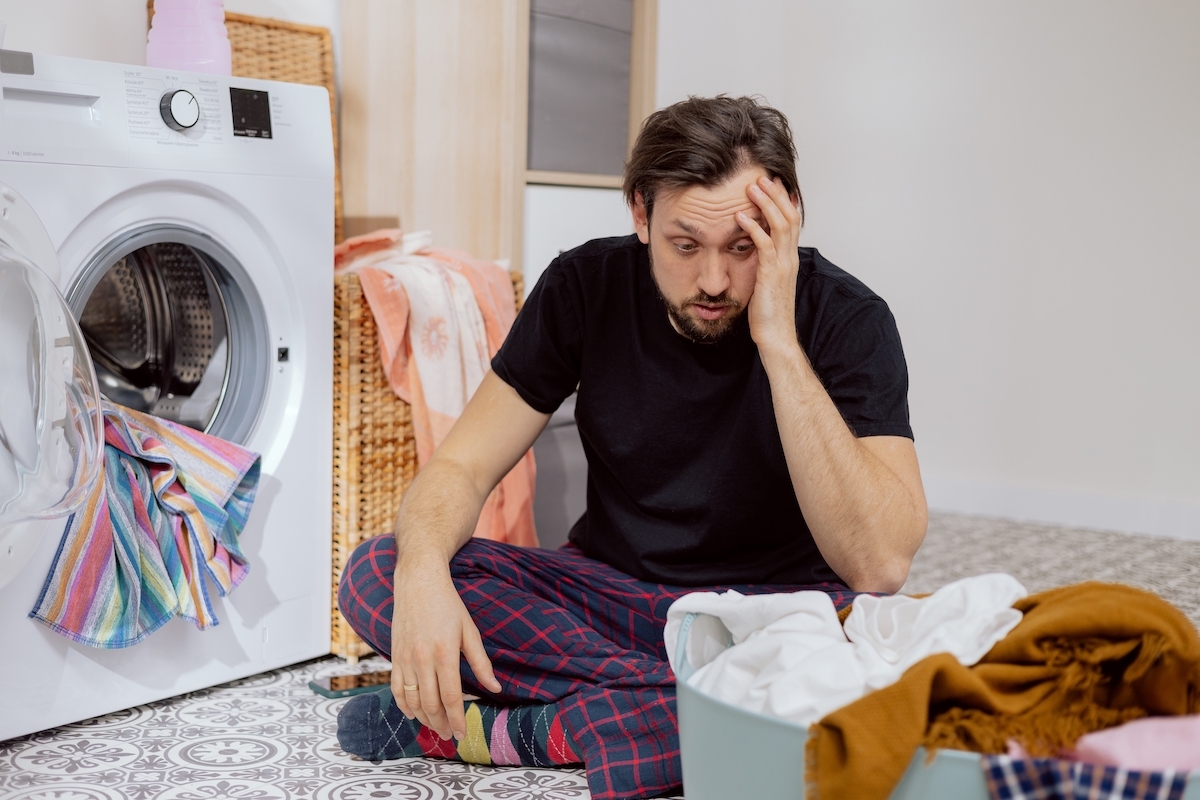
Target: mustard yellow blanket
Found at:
x=1083, y=658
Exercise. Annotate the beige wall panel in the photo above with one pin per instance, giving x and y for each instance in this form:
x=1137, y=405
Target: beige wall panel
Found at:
x=375, y=133
x=643, y=63
x=434, y=111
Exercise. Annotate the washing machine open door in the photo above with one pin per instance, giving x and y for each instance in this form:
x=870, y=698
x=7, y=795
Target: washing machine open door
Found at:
x=51, y=427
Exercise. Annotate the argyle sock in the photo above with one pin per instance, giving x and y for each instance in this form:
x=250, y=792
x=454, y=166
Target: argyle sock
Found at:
x=371, y=726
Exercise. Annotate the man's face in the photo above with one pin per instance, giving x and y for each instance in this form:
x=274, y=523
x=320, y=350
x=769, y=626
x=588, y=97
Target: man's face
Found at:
x=703, y=263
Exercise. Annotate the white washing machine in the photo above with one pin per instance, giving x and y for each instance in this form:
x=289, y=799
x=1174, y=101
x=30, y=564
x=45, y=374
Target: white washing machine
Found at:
x=187, y=221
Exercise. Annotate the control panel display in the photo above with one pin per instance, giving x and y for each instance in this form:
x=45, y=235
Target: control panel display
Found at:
x=251, y=113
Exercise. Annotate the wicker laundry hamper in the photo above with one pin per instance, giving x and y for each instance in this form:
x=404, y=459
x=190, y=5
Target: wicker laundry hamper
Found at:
x=374, y=452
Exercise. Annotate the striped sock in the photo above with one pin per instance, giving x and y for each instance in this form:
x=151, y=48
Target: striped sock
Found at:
x=372, y=727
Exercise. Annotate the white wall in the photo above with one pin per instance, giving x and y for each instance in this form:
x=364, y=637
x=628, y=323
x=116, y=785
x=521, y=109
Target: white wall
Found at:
x=558, y=218
x=115, y=30
x=111, y=30
x=1019, y=180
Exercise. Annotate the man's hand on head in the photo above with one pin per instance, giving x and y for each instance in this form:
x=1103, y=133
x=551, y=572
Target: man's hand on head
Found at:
x=862, y=499
x=772, y=308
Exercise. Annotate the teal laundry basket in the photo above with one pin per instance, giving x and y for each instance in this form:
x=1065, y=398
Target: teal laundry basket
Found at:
x=731, y=753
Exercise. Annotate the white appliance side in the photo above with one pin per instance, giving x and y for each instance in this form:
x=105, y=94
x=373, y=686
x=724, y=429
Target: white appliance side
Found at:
x=280, y=229
x=559, y=218
x=279, y=614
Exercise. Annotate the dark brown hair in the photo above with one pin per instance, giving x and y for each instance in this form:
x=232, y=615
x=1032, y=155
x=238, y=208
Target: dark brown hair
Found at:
x=703, y=141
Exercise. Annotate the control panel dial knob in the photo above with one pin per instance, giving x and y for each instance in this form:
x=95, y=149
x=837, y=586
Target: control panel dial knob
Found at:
x=179, y=109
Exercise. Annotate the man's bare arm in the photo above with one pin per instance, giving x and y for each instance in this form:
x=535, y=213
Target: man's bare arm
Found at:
x=430, y=624
x=862, y=498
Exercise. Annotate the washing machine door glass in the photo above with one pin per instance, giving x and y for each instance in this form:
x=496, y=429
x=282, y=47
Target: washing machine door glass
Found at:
x=51, y=429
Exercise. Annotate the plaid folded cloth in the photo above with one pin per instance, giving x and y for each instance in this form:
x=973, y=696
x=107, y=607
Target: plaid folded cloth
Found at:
x=1054, y=779
x=164, y=518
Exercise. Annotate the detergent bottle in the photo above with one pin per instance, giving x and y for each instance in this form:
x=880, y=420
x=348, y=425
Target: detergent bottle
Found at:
x=189, y=35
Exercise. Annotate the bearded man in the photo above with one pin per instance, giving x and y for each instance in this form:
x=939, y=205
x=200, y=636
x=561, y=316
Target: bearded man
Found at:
x=742, y=403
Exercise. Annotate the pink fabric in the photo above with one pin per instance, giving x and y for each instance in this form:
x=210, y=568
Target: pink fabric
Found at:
x=358, y=246
x=441, y=316
x=1152, y=744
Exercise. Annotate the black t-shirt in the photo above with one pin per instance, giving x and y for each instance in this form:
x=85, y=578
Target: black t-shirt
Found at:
x=687, y=482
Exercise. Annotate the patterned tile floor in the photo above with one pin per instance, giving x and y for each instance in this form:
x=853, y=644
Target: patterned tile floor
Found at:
x=1045, y=556
x=271, y=738
x=268, y=737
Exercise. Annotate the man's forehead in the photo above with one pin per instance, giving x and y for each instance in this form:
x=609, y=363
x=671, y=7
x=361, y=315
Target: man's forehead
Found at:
x=699, y=218
x=726, y=228
x=696, y=209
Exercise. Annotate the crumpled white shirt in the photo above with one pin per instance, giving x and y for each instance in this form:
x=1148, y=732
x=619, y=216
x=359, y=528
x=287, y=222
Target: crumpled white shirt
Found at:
x=791, y=658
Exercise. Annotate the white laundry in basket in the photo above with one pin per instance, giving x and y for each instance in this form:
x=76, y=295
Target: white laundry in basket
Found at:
x=792, y=659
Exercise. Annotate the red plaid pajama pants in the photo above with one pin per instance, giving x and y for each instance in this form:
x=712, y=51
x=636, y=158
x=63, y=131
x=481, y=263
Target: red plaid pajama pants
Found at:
x=561, y=627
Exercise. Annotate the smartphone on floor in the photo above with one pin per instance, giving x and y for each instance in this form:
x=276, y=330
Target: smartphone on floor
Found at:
x=346, y=685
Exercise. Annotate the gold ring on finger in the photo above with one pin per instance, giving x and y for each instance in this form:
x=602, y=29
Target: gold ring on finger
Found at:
x=411, y=687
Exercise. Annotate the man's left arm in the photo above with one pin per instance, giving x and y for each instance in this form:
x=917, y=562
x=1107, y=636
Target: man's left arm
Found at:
x=862, y=498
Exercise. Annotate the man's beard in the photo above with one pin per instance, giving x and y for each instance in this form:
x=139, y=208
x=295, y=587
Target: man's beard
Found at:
x=703, y=331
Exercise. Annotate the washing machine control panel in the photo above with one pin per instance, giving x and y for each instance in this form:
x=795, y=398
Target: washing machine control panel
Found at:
x=179, y=109
x=72, y=111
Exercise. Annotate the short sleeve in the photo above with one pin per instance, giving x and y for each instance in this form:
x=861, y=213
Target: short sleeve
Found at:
x=860, y=361
x=540, y=358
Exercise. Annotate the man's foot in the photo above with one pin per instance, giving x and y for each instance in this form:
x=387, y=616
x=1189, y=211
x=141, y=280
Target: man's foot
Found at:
x=372, y=727
x=369, y=729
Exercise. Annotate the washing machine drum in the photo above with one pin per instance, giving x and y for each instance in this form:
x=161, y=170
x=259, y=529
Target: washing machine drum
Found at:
x=155, y=324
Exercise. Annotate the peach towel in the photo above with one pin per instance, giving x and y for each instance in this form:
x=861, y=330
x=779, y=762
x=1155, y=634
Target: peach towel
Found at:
x=441, y=316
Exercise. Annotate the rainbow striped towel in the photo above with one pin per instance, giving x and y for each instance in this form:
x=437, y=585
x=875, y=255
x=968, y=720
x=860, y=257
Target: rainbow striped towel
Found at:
x=167, y=512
